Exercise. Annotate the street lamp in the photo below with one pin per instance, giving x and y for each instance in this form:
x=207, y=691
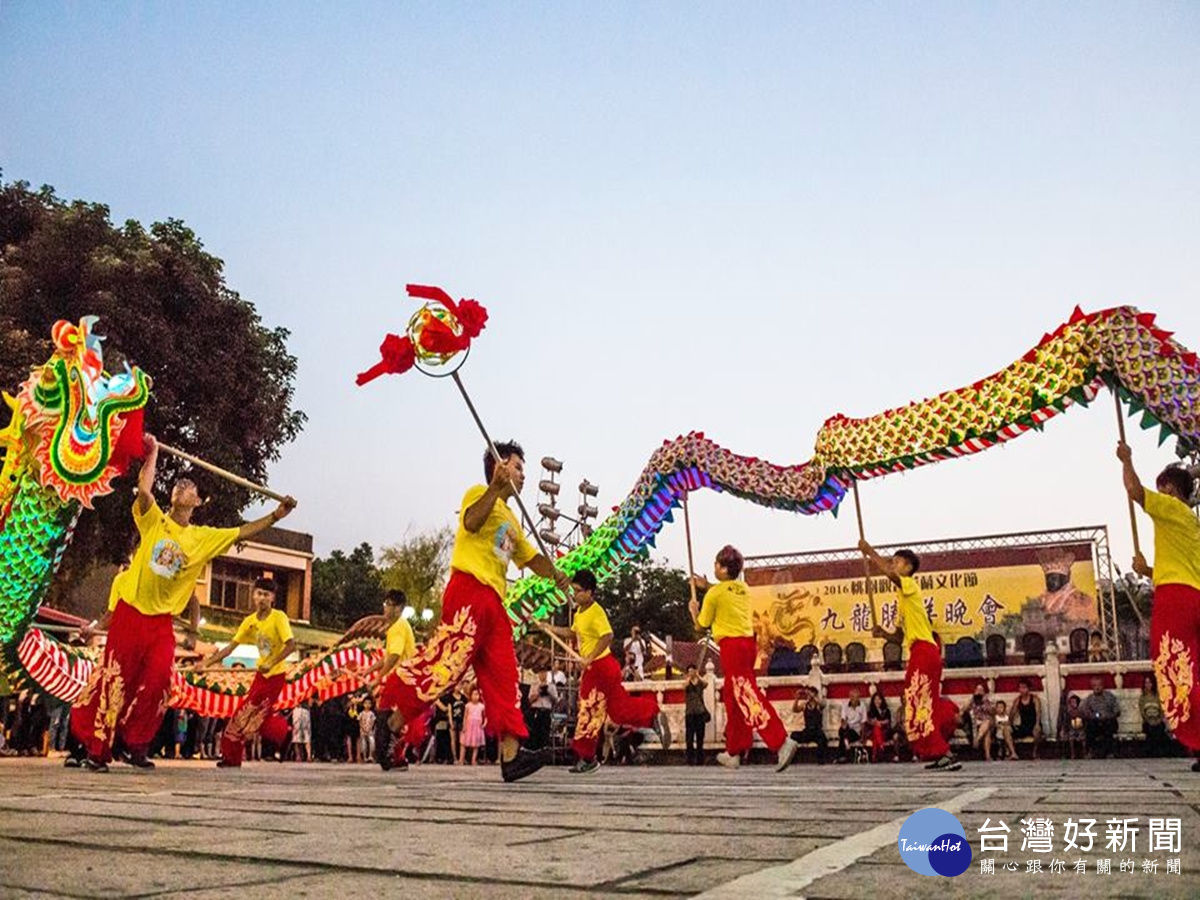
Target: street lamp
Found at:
x=426, y=615
x=407, y=613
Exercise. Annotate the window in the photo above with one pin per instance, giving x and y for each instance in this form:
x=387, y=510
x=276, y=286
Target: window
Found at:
x=231, y=586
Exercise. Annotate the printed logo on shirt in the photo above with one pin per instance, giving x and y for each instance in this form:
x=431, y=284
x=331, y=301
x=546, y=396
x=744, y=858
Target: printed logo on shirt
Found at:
x=264, y=646
x=506, y=542
x=933, y=842
x=167, y=558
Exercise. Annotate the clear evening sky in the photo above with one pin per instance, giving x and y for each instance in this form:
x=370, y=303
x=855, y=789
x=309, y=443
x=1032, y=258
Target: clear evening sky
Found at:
x=737, y=218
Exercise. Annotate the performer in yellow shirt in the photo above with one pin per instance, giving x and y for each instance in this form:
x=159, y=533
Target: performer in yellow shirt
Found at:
x=268, y=629
x=399, y=645
x=476, y=631
x=601, y=693
x=127, y=692
x=726, y=610
x=929, y=718
x=1175, y=617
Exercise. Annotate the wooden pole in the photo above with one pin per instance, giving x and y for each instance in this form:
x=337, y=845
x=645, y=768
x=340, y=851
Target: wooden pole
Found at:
x=227, y=475
x=866, y=565
x=704, y=636
x=1137, y=546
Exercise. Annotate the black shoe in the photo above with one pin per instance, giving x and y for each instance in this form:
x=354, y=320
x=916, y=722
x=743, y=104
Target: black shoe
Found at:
x=72, y=762
x=94, y=765
x=1196, y=766
x=140, y=761
x=385, y=742
x=524, y=764
x=947, y=762
x=226, y=764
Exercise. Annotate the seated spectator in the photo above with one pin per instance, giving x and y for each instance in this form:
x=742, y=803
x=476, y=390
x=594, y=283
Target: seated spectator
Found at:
x=1158, y=742
x=813, y=710
x=879, y=726
x=1097, y=650
x=1001, y=732
x=977, y=719
x=1070, y=725
x=1027, y=716
x=853, y=724
x=1100, y=714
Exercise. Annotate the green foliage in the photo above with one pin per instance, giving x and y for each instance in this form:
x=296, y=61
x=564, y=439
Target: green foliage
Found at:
x=346, y=588
x=222, y=379
x=419, y=565
x=651, y=595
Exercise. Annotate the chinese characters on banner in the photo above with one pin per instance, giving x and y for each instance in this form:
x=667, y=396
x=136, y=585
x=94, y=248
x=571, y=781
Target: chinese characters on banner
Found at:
x=1049, y=588
x=1135, y=846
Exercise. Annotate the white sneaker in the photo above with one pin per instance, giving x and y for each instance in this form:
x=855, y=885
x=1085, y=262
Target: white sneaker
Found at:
x=729, y=762
x=786, y=754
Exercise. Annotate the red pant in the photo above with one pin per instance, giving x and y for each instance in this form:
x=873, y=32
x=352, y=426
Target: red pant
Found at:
x=746, y=707
x=126, y=695
x=601, y=696
x=1175, y=647
x=256, y=715
x=475, y=631
x=929, y=718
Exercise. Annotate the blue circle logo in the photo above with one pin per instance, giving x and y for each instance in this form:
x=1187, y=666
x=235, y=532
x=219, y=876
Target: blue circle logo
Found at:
x=933, y=842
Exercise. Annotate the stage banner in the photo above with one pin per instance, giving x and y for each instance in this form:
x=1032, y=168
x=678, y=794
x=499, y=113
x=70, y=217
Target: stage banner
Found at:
x=1050, y=589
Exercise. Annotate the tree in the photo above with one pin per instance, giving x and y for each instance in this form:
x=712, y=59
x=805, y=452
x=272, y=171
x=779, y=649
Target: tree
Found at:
x=419, y=565
x=222, y=380
x=651, y=595
x=346, y=588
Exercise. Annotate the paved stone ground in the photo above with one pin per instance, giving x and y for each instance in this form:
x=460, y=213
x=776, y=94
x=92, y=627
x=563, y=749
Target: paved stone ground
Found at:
x=187, y=830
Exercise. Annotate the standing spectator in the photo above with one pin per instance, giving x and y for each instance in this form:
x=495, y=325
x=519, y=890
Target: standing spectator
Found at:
x=557, y=674
x=473, y=729
x=813, y=709
x=1097, y=650
x=352, y=729
x=302, y=732
x=629, y=671
x=541, y=708
x=1002, y=732
x=879, y=725
x=60, y=724
x=366, y=732
x=444, y=744
x=977, y=716
x=1027, y=715
x=636, y=645
x=181, y=730
x=1100, y=714
x=458, y=709
x=1158, y=742
x=854, y=721
x=695, y=716
x=1070, y=725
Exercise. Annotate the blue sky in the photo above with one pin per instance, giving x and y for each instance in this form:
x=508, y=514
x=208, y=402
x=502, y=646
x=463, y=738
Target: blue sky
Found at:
x=737, y=219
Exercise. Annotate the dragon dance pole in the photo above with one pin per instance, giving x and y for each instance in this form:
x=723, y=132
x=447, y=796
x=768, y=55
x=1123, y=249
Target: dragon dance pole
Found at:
x=217, y=470
x=521, y=504
x=1137, y=547
x=704, y=637
x=866, y=565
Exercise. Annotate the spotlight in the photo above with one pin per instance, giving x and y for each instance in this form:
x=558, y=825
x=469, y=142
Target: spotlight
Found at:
x=550, y=464
x=550, y=536
x=548, y=487
x=549, y=512
x=588, y=489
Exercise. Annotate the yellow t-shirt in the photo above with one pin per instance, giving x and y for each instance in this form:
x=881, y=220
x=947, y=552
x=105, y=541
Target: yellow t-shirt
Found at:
x=485, y=554
x=268, y=634
x=168, y=560
x=917, y=626
x=591, y=625
x=1176, y=540
x=400, y=640
x=726, y=609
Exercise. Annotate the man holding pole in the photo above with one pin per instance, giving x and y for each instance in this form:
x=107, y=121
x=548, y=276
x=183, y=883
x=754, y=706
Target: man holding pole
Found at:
x=269, y=629
x=602, y=696
x=476, y=630
x=1175, y=617
x=928, y=718
x=399, y=645
x=127, y=692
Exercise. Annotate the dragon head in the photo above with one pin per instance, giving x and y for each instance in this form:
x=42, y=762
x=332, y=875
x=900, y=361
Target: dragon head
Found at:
x=75, y=424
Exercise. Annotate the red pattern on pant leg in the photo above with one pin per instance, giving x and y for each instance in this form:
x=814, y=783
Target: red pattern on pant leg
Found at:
x=747, y=708
x=496, y=668
x=107, y=705
x=602, y=695
x=590, y=715
x=142, y=719
x=1175, y=649
x=253, y=716
x=925, y=713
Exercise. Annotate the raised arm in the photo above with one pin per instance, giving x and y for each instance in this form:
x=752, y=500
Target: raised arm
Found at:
x=477, y=513
x=145, y=488
x=1133, y=484
x=250, y=529
x=878, y=563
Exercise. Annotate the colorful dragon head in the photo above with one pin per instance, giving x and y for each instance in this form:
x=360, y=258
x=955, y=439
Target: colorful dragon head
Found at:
x=68, y=419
